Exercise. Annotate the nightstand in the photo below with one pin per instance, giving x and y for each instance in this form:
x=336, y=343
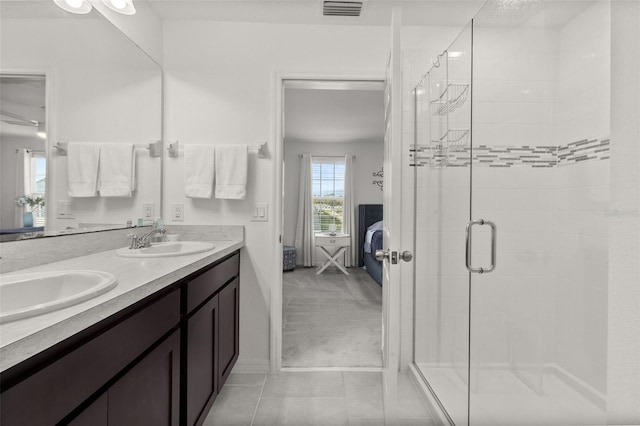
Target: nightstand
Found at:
x=338, y=243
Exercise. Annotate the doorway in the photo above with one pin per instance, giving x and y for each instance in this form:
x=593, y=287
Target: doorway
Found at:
x=23, y=157
x=333, y=134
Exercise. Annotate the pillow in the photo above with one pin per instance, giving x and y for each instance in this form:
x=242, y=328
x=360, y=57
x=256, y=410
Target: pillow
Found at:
x=378, y=226
x=369, y=235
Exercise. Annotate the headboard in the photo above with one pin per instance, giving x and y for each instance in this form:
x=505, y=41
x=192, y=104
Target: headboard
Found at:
x=368, y=214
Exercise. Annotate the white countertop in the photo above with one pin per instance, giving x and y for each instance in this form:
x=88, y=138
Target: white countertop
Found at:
x=137, y=279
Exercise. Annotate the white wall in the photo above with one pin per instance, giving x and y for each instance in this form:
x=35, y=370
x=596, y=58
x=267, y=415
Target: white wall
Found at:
x=144, y=28
x=368, y=160
x=219, y=88
x=104, y=90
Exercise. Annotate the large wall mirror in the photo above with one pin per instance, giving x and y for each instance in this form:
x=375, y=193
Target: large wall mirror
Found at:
x=68, y=78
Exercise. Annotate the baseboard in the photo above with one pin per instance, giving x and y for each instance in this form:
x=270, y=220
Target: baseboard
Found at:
x=251, y=366
x=433, y=403
x=339, y=369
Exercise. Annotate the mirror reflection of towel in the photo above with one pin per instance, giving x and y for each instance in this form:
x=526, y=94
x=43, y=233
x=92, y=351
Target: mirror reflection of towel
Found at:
x=82, y=169
x=117, y=170
x=231, y=171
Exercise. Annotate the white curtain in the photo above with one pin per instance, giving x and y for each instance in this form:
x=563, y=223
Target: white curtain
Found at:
x=305, y=244
x=23, y=186
x=348, y=221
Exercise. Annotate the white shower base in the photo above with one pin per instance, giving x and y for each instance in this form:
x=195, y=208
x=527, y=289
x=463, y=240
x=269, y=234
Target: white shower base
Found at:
x=499, y=397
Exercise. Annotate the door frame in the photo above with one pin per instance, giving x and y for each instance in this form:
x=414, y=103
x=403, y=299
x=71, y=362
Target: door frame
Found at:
x=275, y=329
x=50, y=114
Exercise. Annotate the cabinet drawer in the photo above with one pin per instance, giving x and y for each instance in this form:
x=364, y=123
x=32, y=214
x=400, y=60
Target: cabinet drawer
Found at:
x=47, y=396
x=337, y=241
x=203, y=286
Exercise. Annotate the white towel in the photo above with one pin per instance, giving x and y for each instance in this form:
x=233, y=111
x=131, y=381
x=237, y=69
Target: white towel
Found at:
x=198, y=171
x=82, y=169
x=231, y=171
x=117, y=170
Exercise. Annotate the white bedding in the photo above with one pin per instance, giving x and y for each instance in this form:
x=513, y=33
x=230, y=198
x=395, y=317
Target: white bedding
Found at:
x=369, y=235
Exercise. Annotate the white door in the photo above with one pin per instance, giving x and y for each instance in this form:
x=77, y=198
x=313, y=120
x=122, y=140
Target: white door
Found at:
x=392, y=216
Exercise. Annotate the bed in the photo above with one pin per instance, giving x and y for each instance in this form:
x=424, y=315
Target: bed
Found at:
x=369, y=214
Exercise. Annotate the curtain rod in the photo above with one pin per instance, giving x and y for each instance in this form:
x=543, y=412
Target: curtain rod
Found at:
x=329, y=156
x=31, y=150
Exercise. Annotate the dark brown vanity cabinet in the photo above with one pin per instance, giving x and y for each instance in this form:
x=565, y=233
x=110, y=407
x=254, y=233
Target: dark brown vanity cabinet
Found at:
x=212, y=335
x=148, y=394
x=229, y=320
x=155, y=363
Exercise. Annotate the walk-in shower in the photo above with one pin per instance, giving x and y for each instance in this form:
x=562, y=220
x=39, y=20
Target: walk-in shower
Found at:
x=511, y=126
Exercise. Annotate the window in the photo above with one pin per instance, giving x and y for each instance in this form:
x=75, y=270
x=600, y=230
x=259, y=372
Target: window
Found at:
x=327, y=182
x=37, y=180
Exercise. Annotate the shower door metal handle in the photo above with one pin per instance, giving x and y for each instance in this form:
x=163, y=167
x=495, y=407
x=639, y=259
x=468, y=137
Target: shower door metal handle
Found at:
x=494, y=231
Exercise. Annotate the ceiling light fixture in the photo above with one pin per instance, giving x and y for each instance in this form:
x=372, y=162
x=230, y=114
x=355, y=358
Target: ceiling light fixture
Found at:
x=80, y=7
x=42, y=130
x=121, y=6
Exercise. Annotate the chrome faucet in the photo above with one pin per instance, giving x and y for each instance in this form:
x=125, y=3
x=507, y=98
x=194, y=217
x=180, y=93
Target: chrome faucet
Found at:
x=145, y=239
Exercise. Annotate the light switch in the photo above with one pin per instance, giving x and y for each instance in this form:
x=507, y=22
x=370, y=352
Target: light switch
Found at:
x=260, y=212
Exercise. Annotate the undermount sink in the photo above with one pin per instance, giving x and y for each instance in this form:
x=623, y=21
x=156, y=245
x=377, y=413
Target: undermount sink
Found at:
x=172, y=248
x=25, y=295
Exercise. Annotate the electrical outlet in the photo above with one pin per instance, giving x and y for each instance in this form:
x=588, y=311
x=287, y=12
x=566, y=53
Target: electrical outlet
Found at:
x=64, y=210
x=177, y=212
x=148, y=211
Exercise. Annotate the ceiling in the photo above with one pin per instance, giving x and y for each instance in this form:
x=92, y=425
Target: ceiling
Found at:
x=374, y=12
x=330, y=116
x=22, y=105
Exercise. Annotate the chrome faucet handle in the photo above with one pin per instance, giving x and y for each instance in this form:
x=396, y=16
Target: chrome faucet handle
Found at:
x=134, y=241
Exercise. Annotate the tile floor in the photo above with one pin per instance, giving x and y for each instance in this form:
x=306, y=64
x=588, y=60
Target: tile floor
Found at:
x=314, y=398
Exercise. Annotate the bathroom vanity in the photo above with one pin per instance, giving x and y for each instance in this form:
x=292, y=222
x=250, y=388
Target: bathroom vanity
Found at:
x=157, y=353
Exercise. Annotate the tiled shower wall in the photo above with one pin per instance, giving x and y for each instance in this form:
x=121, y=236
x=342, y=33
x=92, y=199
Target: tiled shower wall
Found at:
x=541, y=171
x=581, y=200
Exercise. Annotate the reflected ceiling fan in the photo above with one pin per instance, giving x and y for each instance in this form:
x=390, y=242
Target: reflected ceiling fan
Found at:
x=20, y=120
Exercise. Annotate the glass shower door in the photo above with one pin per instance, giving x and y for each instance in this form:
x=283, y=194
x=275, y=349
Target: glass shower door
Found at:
x=539, y=171
x=442, y=176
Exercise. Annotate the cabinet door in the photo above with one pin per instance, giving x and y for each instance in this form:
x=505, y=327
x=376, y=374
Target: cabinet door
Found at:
x=50, y=394
x=149, y=393
x=228, y=331
x=93, y=415
x=202, y=357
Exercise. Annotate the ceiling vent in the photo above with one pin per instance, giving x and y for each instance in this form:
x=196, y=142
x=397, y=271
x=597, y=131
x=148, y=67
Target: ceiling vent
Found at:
x=342, y=8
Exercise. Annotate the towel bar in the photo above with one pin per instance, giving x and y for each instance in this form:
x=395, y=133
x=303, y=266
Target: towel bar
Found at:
x=155, y=148
x=262, y=149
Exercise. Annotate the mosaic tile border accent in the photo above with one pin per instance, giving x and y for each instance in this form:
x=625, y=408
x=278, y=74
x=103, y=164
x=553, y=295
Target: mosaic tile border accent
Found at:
x=583, y=150
x=541, y=156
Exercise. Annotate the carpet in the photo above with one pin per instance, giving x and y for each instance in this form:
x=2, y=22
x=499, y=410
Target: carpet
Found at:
x=331, y=319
